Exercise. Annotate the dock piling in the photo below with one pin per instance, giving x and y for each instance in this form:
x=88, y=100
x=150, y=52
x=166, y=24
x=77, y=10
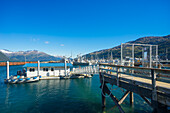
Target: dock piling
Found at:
x=103, y=99
x=38, y=68
x=7, y=64
x=131, y=98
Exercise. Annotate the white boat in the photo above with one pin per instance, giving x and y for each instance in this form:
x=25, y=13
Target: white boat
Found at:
x=21, y=79
x=33, y=72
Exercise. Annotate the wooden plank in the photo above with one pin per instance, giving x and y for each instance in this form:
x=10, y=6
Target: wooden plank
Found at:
x=161, y=86
x=146, y=100
x=123, y=97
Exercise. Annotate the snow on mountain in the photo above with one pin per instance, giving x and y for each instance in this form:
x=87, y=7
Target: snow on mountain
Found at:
x=6, y=51
x=30, y=55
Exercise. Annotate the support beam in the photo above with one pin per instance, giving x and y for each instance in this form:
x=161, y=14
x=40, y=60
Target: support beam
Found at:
x=131, y=98
x=146, y=100
x=115, y=100
x=123, y=97
x=154, y=92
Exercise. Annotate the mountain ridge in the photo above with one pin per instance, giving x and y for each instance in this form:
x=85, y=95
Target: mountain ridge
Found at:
x=29, y=55
x=163, y=43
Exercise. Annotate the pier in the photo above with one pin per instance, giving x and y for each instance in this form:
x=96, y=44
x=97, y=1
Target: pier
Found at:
x=152, y=84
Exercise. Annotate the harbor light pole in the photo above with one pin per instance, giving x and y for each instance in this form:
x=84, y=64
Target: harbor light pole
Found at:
x=150, y=62
x=133, y=55
x=121, y=54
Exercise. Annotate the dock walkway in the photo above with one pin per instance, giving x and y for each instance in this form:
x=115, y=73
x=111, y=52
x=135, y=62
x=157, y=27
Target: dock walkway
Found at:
x=149, y=83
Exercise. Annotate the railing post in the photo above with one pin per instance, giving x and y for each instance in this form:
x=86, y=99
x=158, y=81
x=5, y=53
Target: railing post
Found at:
x=117, y=71
x=154, y=92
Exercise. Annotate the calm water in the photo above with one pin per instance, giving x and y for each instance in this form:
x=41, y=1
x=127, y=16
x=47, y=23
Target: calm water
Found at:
x=61, y=96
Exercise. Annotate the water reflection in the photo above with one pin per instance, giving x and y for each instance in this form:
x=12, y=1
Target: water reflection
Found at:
x=70, y=95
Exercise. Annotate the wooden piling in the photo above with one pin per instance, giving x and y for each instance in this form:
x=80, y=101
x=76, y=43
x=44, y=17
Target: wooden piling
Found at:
x=103, y=99
x=131, y=98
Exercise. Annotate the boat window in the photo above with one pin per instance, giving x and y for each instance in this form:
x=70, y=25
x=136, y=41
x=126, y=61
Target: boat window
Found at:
x=43, y=69
x=31, y=69
x=46, y=69
x=52, y=69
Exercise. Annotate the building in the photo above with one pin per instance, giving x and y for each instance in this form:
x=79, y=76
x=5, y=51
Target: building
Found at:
x=47, y=69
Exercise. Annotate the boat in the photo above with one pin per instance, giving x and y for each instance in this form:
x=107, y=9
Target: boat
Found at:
x=33, y=72
x=21, y=78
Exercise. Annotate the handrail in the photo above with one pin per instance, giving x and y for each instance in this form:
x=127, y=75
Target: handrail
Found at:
x=133, y=67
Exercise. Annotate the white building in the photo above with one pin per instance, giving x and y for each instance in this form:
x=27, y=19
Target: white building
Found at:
x=47, y=69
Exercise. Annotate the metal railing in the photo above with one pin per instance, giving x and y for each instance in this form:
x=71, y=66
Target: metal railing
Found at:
x=92, y=69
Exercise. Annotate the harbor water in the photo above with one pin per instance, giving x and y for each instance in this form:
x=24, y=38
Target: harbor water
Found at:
x=61, y=96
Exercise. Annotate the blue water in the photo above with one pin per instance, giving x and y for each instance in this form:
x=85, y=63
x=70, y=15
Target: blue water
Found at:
x=60, y=96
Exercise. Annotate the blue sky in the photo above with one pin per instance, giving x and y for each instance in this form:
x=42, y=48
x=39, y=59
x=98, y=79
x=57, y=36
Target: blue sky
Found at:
x=59, y=27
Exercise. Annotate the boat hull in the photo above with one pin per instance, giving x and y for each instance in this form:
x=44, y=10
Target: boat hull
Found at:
x=22, y=80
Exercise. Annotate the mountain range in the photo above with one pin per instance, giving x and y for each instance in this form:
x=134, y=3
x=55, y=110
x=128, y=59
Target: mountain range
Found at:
x=163, y=43
x=31, y=55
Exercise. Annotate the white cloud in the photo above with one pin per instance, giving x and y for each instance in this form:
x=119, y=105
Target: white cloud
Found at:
x=62, y=45
x=46, y=42
x=34, y=39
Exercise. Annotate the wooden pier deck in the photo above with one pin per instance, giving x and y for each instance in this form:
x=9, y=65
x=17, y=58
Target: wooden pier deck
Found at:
x=149, y=83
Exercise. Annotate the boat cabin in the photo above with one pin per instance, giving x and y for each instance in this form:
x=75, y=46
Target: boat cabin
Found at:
x=47, y=69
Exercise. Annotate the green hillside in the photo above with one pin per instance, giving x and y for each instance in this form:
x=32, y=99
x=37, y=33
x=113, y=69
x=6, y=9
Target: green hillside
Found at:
x=163, y=43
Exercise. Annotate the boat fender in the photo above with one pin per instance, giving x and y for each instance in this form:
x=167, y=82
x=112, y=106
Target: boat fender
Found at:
x=18, y=76
x=20, y=79
x=28, y=79
x=34, y=77
x=40, y=76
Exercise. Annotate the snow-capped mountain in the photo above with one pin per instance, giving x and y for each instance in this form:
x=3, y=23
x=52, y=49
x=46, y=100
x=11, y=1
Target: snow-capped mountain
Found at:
x=5, y=51
x=30, y=55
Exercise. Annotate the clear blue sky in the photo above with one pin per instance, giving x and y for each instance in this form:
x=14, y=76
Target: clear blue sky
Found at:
x=58, y=27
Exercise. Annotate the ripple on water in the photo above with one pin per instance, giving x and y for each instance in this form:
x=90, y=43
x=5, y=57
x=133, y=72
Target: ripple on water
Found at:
x=72, y=95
